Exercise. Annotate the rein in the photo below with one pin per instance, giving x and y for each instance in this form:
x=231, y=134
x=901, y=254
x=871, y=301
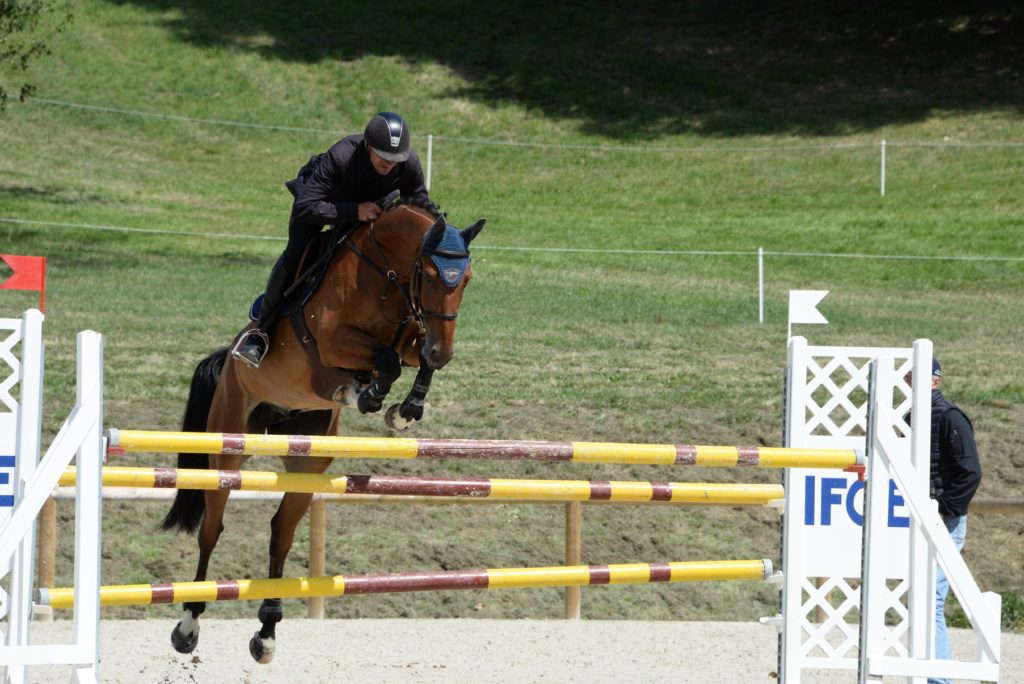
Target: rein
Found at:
x=391, y=278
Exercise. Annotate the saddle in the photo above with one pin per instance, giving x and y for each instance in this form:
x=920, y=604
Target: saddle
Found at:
x=327, y=382
x=318, y=252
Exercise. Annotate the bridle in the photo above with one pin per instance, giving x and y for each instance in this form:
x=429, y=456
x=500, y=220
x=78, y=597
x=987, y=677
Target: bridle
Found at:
x=417, y=280
x=413, y=300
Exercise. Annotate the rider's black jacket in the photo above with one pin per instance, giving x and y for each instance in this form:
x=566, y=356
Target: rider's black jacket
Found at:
x=330, y=187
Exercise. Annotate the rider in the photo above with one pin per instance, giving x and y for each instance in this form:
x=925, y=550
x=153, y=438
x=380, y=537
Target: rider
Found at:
x=338, y=187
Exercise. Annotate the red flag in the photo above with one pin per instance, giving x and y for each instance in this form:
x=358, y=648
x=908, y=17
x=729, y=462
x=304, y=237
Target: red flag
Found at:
x=29, y=274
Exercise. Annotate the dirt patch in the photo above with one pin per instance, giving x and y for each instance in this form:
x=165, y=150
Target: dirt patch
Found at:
x=513, y=651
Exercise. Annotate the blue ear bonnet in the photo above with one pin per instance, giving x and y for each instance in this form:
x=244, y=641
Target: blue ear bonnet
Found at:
x=450, y=255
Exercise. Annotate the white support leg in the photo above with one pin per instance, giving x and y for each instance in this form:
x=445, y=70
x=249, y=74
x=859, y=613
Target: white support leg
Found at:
x=886, y=455
x=921, y=598
x=89, y=508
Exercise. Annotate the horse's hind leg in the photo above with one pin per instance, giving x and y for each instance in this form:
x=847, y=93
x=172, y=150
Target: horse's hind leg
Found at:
x=282, y=533
x=185, y=635
x=284, y=523
x=224, y=414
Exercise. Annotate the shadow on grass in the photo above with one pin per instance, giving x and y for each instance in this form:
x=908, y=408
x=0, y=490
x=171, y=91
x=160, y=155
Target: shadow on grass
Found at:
x=641, y=69
x=48, y=195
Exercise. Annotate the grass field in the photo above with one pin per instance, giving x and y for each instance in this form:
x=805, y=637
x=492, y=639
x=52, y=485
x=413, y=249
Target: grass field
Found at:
x=659, y=145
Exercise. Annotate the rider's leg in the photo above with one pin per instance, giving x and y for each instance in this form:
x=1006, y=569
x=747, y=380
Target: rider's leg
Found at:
x=253, y=348
x=280, y=277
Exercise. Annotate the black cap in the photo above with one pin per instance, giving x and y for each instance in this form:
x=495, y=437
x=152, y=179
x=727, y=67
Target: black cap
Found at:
x=388, y=136
x=936, y=367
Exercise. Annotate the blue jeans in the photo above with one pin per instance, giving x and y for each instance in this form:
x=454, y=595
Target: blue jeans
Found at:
x=957, y=526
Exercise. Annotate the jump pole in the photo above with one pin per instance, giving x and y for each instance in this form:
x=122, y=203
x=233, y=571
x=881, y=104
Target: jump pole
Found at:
x=125, y=441
x=447, y=580
x=492, y=488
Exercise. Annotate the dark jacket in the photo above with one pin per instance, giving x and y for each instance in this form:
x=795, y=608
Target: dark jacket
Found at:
x=330, y=188
x=955, y=466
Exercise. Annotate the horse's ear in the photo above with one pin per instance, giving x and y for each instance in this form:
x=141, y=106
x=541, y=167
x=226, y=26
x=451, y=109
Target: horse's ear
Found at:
x=436, y=232
x=469, y=233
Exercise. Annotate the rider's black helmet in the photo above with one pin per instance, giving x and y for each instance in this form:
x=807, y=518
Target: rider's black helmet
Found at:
x=388, y=136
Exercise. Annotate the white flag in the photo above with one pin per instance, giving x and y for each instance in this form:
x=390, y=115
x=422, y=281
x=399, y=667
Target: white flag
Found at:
x=803, y=306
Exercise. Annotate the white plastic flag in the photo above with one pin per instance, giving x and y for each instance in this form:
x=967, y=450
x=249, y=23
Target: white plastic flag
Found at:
x=803, y=308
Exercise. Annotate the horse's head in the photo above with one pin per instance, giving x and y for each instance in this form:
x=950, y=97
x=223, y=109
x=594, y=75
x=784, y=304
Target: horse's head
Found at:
x=439, y=280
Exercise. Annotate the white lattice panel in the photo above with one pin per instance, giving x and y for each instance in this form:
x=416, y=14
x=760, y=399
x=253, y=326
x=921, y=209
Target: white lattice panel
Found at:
x=827, y=407
x=10, y=372
x=833, y=637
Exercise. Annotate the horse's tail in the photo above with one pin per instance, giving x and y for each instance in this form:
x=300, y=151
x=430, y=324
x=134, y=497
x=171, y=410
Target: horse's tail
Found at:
x=190, y=504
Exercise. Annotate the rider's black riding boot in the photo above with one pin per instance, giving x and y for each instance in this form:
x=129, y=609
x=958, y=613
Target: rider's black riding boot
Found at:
x=253, y=347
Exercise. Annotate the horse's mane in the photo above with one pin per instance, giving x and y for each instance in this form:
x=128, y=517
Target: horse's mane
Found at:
x=421, y=203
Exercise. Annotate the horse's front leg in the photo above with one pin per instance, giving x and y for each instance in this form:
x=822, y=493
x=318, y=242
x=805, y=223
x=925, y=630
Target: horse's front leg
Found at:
x=401, y=416
x=389, y=367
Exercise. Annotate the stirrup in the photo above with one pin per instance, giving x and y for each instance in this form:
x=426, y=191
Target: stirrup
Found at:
x=251, y=355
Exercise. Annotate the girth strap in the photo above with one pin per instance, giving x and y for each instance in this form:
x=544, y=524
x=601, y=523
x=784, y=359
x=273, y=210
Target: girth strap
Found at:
x=326, y=381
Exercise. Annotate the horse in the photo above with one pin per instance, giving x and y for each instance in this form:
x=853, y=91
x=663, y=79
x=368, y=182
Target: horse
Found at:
x=389, y=297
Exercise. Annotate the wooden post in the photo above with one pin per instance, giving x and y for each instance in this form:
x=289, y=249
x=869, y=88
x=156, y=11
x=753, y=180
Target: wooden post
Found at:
x=1009, y=506
x=317, y=552
x=46, y=553
x=572, y=557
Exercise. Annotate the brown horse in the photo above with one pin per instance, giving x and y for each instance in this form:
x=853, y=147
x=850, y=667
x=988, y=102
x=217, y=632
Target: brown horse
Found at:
x=390, y=296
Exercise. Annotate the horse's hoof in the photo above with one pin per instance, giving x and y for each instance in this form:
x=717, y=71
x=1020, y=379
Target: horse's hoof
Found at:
x=261, y=650
x=394, y=420
x=184, y=643
x=369, y=404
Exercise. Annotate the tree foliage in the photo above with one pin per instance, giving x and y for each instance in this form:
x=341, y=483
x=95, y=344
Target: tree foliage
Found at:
x=26, y=26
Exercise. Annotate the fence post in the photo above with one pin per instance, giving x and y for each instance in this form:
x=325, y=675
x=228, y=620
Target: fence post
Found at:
x=572, y=557
x=430, y=158
x=760, y=285
x=883, y=168
x=317, y=553
x=47, y=552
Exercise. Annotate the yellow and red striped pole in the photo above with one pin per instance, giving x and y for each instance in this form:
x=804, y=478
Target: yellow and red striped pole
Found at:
x=492, y=488
x=122, y=441
x=447, y=580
